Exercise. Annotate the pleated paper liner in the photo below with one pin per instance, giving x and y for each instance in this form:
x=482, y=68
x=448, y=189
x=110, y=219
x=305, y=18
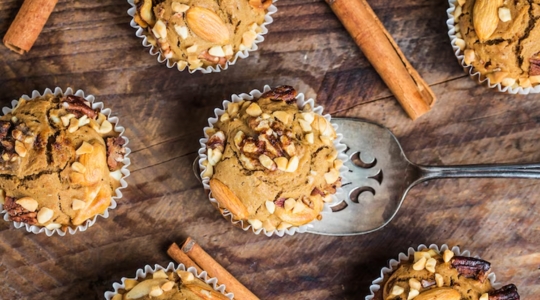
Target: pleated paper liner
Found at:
x=124, y=170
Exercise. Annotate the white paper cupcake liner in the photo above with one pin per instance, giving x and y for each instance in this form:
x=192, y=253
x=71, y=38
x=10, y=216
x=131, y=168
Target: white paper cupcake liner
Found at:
x=124, y=170
x=272, y=9
x=147, y=270
x=301, y=102
x=393, y=264
x=470, y=69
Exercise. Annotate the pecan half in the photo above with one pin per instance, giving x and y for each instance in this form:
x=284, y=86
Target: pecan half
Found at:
x=115, y=151
x=79, y=107
x=4, y=128
x=534, y=69
x=507, y=292
x=281, y=93
x=471, y=267
x=17, y=213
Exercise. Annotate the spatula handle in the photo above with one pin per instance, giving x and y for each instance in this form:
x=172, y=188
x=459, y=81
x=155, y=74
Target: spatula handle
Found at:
x=480, y=171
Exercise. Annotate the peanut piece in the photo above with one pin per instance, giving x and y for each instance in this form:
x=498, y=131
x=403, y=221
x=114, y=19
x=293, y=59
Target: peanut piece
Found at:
x=254, y=110
x=28, y=203
x=420, y=264
x=44, y=215
x=447, y=255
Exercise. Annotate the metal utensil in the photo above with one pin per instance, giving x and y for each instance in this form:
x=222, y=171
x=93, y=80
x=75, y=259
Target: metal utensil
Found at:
x=380, y=176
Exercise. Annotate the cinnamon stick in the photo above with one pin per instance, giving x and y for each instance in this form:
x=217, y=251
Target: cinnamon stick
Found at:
x=214, y=269
x=28, y=24
x=180, y=257
x=412, y=92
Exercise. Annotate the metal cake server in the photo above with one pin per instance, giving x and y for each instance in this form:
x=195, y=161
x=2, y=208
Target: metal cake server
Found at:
x=380, y=176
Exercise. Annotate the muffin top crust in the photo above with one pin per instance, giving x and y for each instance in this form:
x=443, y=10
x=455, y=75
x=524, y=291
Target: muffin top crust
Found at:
x=200, y=33
x=60, y=161
x=433, y=275
x=502, y=39
x=272, y=163
x=179, y=285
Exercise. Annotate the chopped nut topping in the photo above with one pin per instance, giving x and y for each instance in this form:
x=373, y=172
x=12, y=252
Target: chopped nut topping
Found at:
x=167, y=286
x=254, y=110
x=257, y=224
x=267, y=162
x=535, y=66
x=412, y=294
x=77, y=204
x=28, y=203
x=420, y=264
x=78, y=106
x=507, y=292
x=283, y=93
x=115, y=151
x=397, y=290
x=281, y=163
x=471, y=267
x=447, y=255
x=430, y=265
x=20, y=149
x=439, y=279
x=415, y=284
x=179, y=7
x=155, y=291
x=270, y=206
x=18, y=213
x=292, y=165
x=44, y=215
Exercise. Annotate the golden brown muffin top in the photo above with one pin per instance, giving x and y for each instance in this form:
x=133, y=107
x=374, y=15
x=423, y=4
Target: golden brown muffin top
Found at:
x=59, y=163
x=197, y=33
x=502, y=39
x=272, y=163
x=179, y=285
x=433, y=275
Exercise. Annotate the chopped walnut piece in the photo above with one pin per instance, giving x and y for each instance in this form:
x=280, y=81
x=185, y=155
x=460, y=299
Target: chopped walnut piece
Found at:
x=4, y=128
x=78, y=106
x=281, y=93
x=115, y=151
x=18, y=213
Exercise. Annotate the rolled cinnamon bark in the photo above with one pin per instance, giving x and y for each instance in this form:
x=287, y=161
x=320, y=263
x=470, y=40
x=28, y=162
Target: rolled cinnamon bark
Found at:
x=28, y=24
x=214, y=269
x=412, y=92
x=180, y=257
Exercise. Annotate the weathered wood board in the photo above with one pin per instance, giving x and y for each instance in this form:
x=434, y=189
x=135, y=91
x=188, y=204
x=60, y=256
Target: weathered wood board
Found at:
x=89, y=45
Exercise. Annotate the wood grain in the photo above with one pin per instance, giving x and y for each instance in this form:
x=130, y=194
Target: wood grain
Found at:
x=89, y=45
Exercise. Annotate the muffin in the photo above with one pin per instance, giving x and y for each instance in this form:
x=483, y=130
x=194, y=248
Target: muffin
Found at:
x=168, y=284
x=60, y=162
x=201, y=33
x=269, y=162
x=500, y=40
x=433, y=274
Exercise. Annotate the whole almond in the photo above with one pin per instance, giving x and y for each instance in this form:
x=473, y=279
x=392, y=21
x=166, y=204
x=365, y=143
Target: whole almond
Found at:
x=486, y=17
x=439, y=294
x=207, y=25
x=228, y=199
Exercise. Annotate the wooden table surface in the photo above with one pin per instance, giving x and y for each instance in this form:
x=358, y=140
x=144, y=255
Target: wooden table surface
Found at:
x=90, y=45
